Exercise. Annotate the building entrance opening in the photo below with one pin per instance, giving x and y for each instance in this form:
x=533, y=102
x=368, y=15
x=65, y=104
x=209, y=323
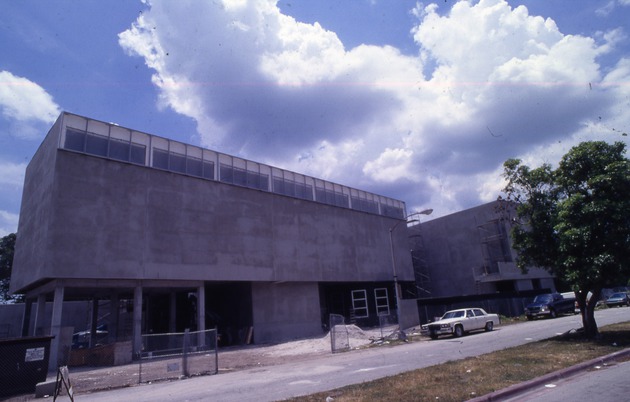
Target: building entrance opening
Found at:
x=229, y=309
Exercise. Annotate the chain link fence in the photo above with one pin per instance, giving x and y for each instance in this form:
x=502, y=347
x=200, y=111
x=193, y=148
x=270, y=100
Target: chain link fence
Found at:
x=177, y=355
x=339, y=337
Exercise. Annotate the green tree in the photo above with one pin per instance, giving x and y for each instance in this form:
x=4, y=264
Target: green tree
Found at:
x=574, y=220
x=7, y=247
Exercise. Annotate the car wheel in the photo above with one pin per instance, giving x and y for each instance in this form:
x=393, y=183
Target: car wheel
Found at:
x=489, y=326
x=552, y=313
x=459, y=331
x=433, y=335
x=529, y=318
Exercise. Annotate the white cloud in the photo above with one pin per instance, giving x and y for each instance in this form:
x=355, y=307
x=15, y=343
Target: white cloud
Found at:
x=490, y=82
x=12, y=174
x=607, y=8
x=22, y=100
x=8, y=223
x=391, y=165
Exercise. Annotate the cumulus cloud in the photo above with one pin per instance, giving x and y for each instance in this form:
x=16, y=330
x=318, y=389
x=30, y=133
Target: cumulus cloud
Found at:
x=489, y=82
x=23, y=102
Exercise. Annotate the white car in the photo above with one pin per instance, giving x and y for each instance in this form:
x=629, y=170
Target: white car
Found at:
x=459, y=322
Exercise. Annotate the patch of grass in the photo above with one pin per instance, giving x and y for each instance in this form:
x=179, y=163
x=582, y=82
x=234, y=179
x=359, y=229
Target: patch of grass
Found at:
x=476, y=376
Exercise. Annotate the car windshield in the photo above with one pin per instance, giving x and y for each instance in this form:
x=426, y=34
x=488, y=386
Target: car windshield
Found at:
x=542, y=299
x=453, y=314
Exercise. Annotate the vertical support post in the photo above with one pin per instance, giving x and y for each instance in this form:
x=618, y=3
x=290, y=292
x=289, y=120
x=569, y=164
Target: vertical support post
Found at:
x=114, y=317
x=185, y=350
x=55, y=327
x=201, y=315
x=40, y=312
x=137, y=320
x=93, y=322
x=26, y=317
x=172, y=317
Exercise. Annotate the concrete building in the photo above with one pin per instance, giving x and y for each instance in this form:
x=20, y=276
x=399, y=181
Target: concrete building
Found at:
x=175, y=236
x=470, y=253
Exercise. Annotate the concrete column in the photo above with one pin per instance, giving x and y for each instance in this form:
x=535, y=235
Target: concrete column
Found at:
x=114, y=316
x=201, y=314
x=93, y=322
x=172, y=316
x=55, y=328
x=40, y=312
x=26, y=317
x=137, y=320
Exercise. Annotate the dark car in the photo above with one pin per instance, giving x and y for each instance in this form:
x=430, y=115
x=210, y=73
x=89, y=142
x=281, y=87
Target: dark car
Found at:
x=618, y=300
x=550, y=305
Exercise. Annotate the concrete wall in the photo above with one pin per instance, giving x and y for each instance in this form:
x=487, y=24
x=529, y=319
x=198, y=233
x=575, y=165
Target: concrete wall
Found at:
x=115, y=220
x=32, y=242
x=285, y=311
x=452, y=249
x=76, y=315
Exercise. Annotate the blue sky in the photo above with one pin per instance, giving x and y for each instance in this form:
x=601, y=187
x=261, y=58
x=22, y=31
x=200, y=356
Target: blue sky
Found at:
x=418, y=101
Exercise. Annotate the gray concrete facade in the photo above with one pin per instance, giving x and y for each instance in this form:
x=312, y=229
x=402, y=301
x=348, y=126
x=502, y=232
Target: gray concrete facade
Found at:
x=470, y=252
x=95, y=226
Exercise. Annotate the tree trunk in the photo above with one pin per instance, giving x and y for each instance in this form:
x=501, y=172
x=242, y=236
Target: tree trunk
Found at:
x=588, y=315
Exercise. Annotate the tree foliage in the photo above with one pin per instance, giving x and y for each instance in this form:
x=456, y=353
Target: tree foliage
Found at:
x=574, y=220
x=7, y=247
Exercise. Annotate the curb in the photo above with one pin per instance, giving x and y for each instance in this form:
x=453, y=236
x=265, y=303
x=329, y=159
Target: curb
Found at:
x=555, y=376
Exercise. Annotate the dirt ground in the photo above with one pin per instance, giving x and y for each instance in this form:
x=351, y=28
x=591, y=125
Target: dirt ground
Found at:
x=90, y=379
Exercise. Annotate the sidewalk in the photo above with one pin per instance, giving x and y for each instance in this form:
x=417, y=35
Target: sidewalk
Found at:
x=513, y=391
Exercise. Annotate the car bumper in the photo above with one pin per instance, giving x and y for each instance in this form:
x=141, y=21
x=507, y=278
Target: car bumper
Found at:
x=538, y=313
x=437, y=331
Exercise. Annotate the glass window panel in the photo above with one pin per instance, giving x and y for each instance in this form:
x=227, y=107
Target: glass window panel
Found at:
x=160, y=158
x=177, y=148
x=278, y=185
x=208, y=170
x=160, y=150
x=140, y=142
x=320, y=194
x=120, y=133
x=194, y=167
x=265, y=172
x=138, y=154
x=193, y=152
x=75, y=140
x=225, y=169
x=119, y=150
x=74, y=121
x=177, y=162
x=240, y=176
x=253, y=177
x=209, y=162
x=227, y=173
x=310, y=184
x=98, y=127
x=263, y=182
x=96, y=145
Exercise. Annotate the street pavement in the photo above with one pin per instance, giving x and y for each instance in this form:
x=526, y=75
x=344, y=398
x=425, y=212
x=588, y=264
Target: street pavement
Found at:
x=274, y=383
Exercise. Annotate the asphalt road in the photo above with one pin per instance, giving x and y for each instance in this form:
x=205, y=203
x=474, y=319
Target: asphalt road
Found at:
x=328, y=372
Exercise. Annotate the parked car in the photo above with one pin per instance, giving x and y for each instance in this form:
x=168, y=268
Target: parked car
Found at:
x=549, y=305
x=81, y=340
x=618, y=300
x=458, y=322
